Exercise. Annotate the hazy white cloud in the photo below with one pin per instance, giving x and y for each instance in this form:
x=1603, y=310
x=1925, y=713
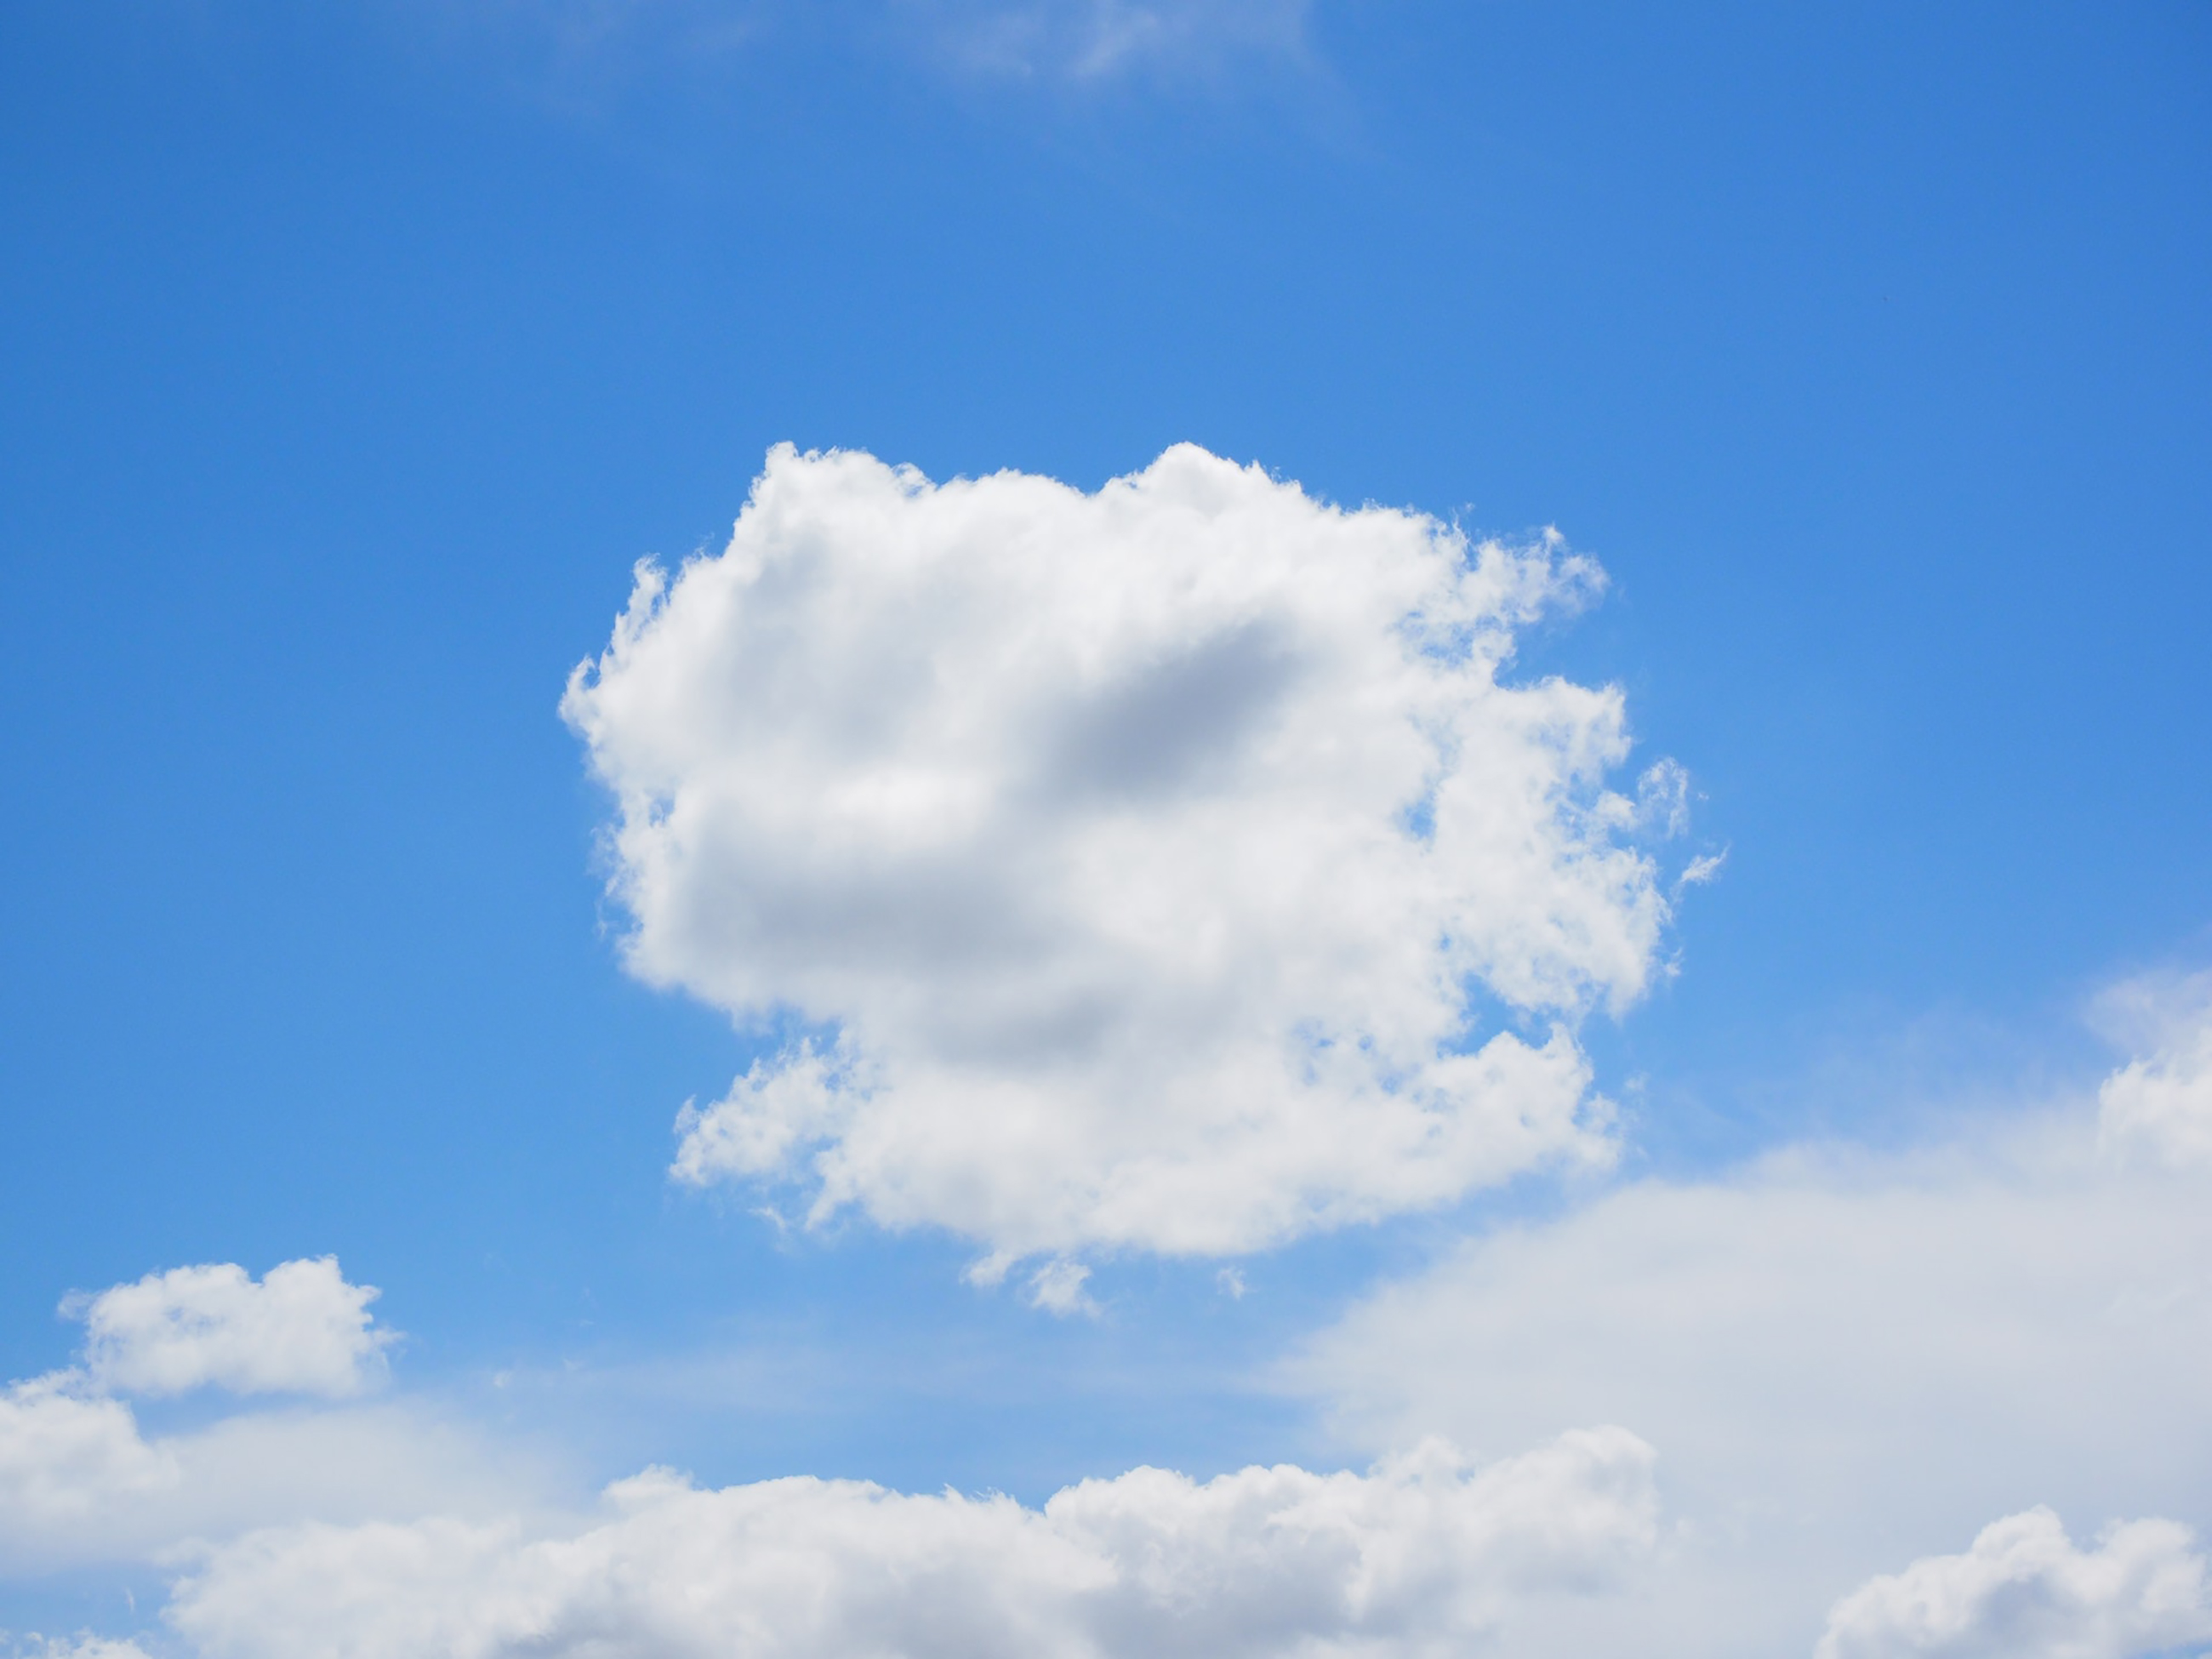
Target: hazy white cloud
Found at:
x=1422, y=1555
x=583, y=53
x=1057, y=1287
x=2159, y=1105
x=1847, y=1358
x=2024, y=1591
x=1095, y=39
x=302, y=1329
x=81, y=1481
x=69, y=1459
x=1142, y=859
x=77, y=1647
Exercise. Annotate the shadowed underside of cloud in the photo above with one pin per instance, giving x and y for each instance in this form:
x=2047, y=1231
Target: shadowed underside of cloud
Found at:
x=1141, y=855
x=1422, y=1556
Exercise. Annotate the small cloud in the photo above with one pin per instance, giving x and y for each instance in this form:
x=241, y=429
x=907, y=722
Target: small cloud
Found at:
x=989, y=1272
x=1057, y=1287
x=1662, y=799
x=1699, y=871
x=301, y=1329
x=1232, y=1281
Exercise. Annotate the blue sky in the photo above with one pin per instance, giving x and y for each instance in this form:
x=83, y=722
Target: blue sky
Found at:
x=354, y=353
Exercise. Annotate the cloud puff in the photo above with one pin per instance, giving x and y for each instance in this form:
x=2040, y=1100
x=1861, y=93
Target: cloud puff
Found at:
x=1846, y=1358
x=1422, y=1555
x=302, y=1329
x=2023, y=1591
x=1142, y=859
x=2159, y=1106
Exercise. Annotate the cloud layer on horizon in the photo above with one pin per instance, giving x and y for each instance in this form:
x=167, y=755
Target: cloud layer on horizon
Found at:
x=1422, y=1556
x=1844, y=1357
x=1168, y=867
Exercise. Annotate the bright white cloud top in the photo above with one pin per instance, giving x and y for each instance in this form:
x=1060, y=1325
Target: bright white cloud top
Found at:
x=1422, y=1556
x=301, y=1329
x=2024, y=1591
x=1140, y=860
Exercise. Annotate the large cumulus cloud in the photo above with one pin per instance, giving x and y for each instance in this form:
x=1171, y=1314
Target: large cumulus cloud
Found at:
x=1137, y=864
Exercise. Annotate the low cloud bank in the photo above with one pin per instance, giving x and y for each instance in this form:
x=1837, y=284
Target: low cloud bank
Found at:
x=1134, y=868
x=1424, y=1555
x=1846, y=1358
x=2024, y=1591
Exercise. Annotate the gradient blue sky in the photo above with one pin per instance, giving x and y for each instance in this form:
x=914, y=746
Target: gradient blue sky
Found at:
x=353, y=352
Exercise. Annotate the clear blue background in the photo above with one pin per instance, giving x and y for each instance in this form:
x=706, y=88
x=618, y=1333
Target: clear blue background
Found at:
x=352, y=351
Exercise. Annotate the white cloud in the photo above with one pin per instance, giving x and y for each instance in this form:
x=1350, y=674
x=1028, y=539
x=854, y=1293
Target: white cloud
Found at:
x=81, y=1483
x=1142, y=856
x=2159, y=1106
x=1422, y=1555
x=69, y=1457
x=1057, y=1287
x=302, y=1329
x=2024, y=1591
x=1847, y=1360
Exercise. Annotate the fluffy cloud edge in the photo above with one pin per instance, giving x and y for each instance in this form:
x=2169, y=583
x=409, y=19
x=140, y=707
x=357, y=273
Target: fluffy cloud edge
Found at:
x=301, y=1328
